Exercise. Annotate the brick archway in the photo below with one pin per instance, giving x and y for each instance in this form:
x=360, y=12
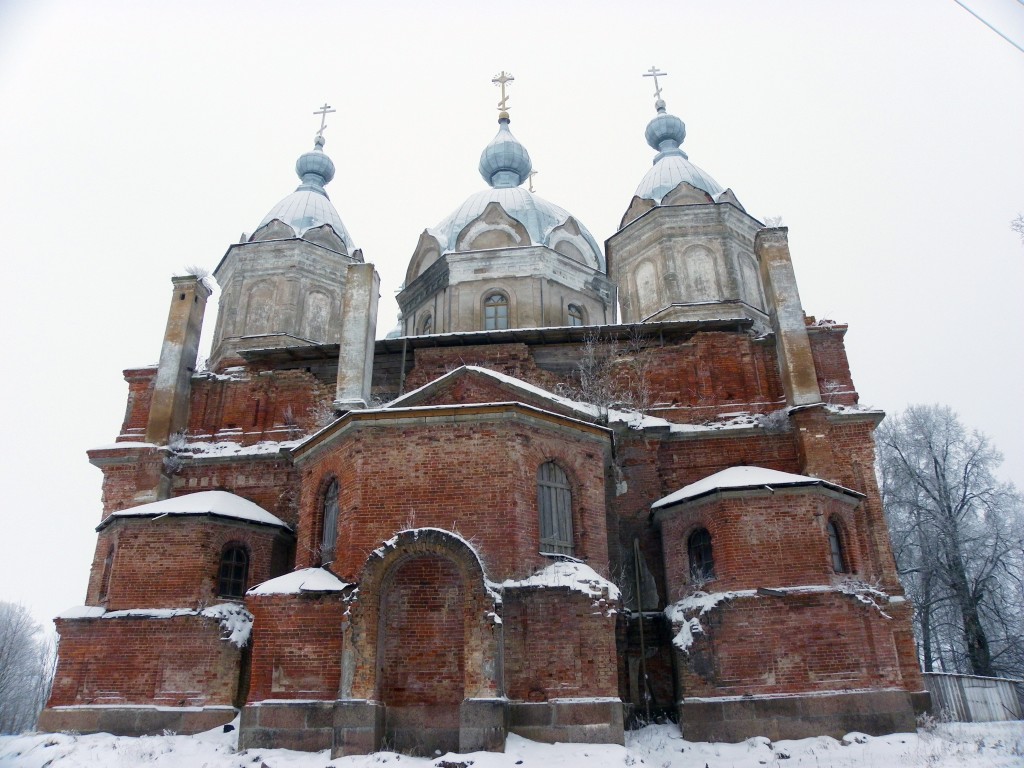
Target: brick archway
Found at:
x=423, y=638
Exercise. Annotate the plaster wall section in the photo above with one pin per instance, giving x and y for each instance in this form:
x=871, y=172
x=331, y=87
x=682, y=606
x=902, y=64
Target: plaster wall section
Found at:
x=696, y=259
x=358, y=328
x=288, y=286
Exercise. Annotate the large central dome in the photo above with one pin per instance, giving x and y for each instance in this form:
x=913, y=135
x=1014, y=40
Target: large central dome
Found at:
x=505, y=165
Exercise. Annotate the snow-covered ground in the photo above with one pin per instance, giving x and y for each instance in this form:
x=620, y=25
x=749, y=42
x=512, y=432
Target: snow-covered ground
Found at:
x=953, y=745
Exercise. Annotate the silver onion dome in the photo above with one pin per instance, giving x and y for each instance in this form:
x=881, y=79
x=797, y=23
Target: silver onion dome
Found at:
x=666, y=133
x=309, y=206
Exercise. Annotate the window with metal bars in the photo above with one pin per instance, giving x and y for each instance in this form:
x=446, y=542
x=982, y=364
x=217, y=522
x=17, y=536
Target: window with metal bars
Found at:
x=702, y=559
x=234, y=572
x=554, y=503
x=330, y=517
x=835, y=546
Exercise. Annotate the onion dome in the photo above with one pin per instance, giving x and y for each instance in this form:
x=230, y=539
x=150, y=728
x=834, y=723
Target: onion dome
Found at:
x=505, y=162
x=505, y=165
x=665, y=133
x=309, y=206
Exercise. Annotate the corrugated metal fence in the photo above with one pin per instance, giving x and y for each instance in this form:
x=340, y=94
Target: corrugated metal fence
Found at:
x=971, y=699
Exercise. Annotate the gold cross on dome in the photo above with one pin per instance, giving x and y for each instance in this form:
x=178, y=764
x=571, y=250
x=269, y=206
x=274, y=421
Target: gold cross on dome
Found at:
x=656, y=73
x=501, y=80
x=324, y=111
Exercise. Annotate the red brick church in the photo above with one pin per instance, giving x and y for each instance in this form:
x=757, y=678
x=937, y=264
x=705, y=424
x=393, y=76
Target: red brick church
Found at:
x=576, y=488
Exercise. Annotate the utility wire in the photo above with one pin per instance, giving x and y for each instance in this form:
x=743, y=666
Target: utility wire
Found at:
x=1011, y=42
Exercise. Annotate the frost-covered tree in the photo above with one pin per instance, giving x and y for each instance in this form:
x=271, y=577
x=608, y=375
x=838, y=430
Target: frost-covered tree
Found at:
x=27, y=658
x=958, y=537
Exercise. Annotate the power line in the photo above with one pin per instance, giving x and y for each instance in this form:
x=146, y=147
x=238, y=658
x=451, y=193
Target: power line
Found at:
x=1011, y=42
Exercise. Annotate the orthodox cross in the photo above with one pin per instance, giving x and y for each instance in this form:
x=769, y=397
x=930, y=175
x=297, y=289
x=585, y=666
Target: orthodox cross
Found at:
x=501, y=80
x=532, y=174
x=324, y=111
x=655, y=73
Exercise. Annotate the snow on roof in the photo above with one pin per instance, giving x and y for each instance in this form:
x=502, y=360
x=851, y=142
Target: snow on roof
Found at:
x=632, y=419
x=227, y=448
x=302, y=580
x=216, y=503
x=578, y=576
x=736, y=478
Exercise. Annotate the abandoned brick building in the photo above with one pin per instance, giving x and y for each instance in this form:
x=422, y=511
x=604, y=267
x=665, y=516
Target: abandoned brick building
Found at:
x=515, y=513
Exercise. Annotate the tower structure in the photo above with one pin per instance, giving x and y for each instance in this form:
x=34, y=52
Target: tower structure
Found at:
x=505, y=258
x=282, y=286
x=684, y=249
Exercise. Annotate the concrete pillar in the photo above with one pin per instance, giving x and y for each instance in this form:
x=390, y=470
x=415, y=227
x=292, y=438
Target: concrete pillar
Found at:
x=358, y=329
x=799, y=377
x=168, y=410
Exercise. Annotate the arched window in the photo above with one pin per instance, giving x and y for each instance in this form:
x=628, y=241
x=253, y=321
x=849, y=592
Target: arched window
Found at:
x=426, y=325
x=835, y=546
x=496, y=312
x=702, y=559
x=576, y=315
x=554, y=503
x=234, y=572
x=330, y=529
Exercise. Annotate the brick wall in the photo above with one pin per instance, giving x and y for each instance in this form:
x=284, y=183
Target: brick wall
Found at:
x=475, y=476
x=297, y=646
x=422, y=653
x=792, y=644
x=557, y=644
x=175, y=662
x=173, y=562
x=761, y=540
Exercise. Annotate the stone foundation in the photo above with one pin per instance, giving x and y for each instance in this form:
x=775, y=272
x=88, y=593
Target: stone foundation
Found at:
x=130, y=720
x=590, y=721
x=797, y=716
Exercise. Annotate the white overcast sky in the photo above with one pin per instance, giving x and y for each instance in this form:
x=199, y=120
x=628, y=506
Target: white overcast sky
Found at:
x=140, y=137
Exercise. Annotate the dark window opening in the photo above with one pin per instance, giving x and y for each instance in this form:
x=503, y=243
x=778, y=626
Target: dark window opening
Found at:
x=835, y=546
x=234, y=572
x=702, y=559
x=576, y=315
x=330, y=529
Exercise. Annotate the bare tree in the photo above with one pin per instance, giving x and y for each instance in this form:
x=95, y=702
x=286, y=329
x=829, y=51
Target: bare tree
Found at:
x=612, y=374
x=27, y=661
x=957, y=534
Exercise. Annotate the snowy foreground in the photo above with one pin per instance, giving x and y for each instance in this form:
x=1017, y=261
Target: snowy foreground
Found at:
x=959, y=745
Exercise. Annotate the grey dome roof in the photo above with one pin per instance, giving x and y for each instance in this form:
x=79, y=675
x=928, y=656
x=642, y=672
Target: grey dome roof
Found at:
x=505, y=164
x=309, y=206
x=671, y=166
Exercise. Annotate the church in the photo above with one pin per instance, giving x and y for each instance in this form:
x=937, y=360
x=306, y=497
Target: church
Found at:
x=578, y=488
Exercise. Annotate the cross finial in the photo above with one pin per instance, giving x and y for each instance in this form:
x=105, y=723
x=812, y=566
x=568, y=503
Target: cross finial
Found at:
x=656, y=73
x=324, y=111
x=501, y=80
x=532, y=174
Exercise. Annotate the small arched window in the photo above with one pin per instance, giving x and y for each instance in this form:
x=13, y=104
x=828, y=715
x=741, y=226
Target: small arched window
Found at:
x=496, y=312
x=576, y=315
x=234, y=572
x=426, y=325
x=554, y=503
x=330, y=517
x=835, y=546
x=702, y=559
